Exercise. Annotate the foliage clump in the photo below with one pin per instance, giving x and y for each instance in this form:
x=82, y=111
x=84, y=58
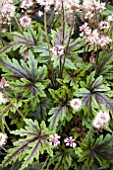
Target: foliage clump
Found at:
x=56, y=89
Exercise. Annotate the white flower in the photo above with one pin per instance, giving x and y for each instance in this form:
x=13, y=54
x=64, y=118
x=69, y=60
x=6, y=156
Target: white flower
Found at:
x=104, y=25
x=2, y=100
x=45, y=2
x=40, y=13
x=54, y=140
x=110, y=18
x=93, y=37
x=47, y=8
x=70, y=142
x=102, y=6
x=101, y=120
x=25, y=21
x=76, y=103
x=3, y=138
x=26, y=3
x=10, y=1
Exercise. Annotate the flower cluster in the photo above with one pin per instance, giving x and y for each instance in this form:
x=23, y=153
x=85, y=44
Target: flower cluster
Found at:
x=92, y=8
x=45, y=3
x=93, y=37
x=3, y=138
x=26, y=4
x=101, y=120
x=76, y=104
x=70, y=7
x=94, y=30
x=7, y=11
x=54, y=140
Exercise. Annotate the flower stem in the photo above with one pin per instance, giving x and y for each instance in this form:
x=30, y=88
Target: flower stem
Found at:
x=20, y=29
x=42, y=168
x=4, y=149
x=47, y=40
x=46, y=33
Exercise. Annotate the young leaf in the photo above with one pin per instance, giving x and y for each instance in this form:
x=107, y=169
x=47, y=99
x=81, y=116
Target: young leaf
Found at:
x=99, y=149
x=61, y=112
x=104, y=66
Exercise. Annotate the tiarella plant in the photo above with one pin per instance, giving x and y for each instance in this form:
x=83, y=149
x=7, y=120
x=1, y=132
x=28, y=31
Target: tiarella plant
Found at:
x=56, y=88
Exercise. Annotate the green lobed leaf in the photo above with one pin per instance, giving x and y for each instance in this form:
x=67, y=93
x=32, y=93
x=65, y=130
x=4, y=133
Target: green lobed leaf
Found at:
x=28, y=148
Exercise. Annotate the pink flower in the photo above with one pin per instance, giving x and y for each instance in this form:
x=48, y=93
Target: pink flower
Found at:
x=25, y=55
x=70, y=142
x=25, y=21
x=3, y=83
x=92, y=59
x=54, y=140
x=76, y=103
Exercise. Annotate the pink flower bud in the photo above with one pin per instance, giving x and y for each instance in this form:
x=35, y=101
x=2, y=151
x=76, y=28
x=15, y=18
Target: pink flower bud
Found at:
x=92, y=59
x=3, y=83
